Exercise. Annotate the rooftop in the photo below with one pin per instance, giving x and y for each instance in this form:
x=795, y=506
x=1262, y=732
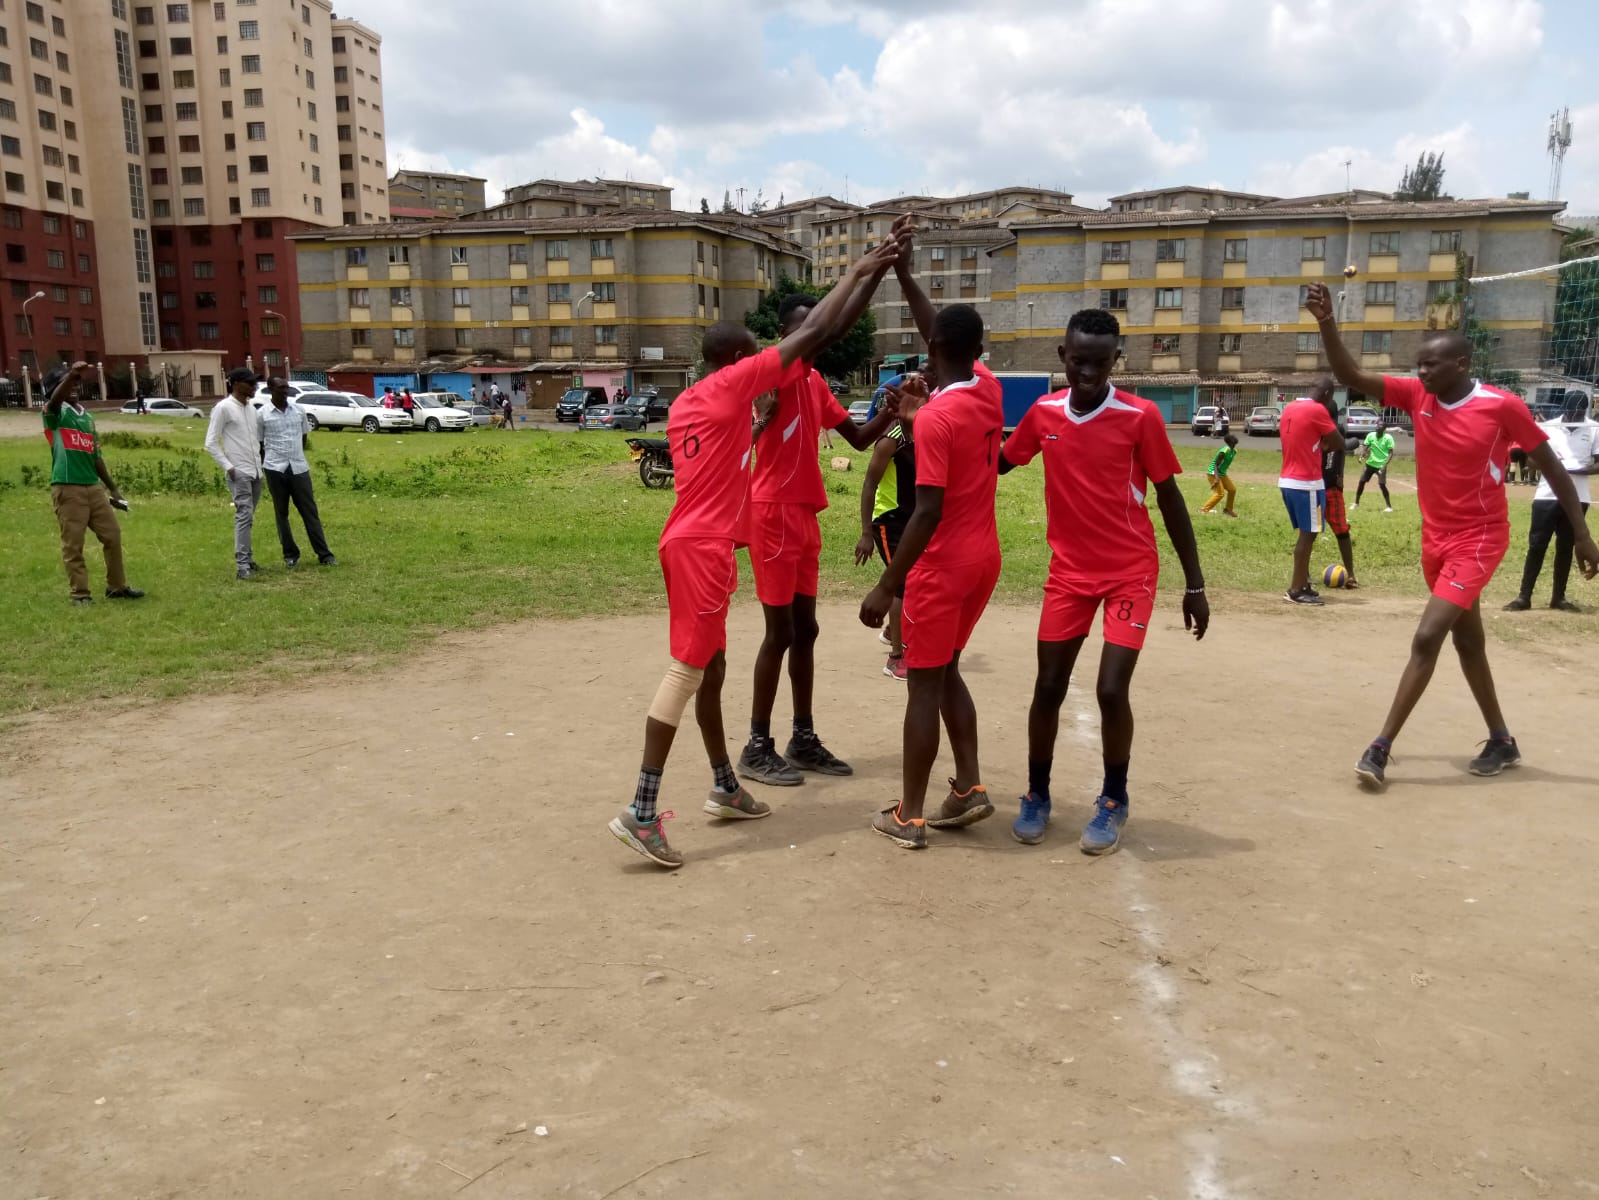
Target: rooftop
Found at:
x=1389, y=210
x=1172, y=191
x=404, y=171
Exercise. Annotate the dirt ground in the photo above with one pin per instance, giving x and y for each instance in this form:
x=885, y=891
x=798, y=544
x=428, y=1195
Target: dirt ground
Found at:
x=370, y=938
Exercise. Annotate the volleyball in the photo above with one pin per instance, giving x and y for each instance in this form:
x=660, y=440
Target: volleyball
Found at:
x=1335, y=576
x=1351, y=271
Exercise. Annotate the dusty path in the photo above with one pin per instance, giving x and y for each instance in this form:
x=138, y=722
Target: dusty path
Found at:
x=356, y=940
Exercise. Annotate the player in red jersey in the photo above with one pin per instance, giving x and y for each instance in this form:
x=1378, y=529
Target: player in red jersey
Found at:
x=1102, y=448
x=1464, y=430
x=785, y=553
x=1308, y=430
x=711, y=440
x=948, y=560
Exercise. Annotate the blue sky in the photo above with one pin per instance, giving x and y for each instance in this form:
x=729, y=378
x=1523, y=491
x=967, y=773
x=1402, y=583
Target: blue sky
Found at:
x=880, y=97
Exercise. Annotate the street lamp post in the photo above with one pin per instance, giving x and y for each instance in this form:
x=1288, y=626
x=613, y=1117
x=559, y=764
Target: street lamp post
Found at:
x=1029, y=329
x=27, y=321
x=286, y=364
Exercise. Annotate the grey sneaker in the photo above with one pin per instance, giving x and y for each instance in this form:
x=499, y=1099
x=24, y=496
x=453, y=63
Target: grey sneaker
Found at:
x=249, y=572
x=912, y=835
x=1497, y=754
x=806, y=752
x=959, y=810
x=740, y=806
x=761, y=762
x=649, y=840
x=1372, y=769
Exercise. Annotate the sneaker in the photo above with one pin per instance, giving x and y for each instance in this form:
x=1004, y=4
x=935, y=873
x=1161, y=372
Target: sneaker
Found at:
x=740, y=806
x=806, y=752
x=329, y=561
x=127, y=593
x=649, y=840
x=82, y=601
x=1564, y=605
x=959, y=811
x=290, y=563
x=910, y=834
x=1104, y=832
x=1355, y=507
x=1519, y=604
x=248, y=572
x=1303, y=596
x=1390, y=508
x=894, y=668
x=1350, y=585
x=1498, y=753
x=1029, y=826
x=1372, y=769
x=761, y=762
x=1230, y=513
x=882, y=636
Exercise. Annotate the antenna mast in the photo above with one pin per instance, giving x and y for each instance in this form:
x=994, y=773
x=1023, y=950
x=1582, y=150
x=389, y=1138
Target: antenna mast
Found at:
x=1559, y=143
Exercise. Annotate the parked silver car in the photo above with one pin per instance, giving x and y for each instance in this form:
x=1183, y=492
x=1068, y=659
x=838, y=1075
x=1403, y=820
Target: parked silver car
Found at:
x=614, y=416
x=162, y=407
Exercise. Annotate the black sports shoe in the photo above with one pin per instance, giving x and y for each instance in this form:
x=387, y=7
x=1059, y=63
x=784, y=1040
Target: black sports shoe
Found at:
x=290, y=563
x=1519, y=604
x=1564, y=605
x=761, y=762
x=1304, y=596
x=1372, y=768
x=1497, y=754
x=127, y=593
x=805, y=751
x=329, y=561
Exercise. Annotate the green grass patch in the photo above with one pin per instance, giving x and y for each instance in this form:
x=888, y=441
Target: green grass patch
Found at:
x=451, y=532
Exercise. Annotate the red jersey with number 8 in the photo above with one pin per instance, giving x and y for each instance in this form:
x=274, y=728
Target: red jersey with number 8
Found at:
x=709, y=432
x=957, y=435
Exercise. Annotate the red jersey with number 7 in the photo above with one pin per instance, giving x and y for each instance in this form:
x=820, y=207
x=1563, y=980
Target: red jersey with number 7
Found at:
x=957, y=436
x=709, y=433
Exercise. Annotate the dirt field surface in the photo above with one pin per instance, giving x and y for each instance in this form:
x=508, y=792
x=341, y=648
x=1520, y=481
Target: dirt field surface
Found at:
x=371, y=939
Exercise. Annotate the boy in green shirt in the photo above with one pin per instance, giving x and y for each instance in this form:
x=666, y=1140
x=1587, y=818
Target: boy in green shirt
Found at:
x=1220, y=481
x=1377, y=449
x=76, y=474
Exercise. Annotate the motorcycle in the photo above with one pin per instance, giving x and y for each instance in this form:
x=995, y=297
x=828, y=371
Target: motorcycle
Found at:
x=654, y=458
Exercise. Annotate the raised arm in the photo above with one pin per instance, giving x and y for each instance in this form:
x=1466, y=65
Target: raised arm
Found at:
x=840, y=308
x=69, y=384
x=922, y=310
x=1344, y=367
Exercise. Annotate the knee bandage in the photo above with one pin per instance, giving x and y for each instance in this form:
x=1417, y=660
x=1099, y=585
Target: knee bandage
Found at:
x=676, y=690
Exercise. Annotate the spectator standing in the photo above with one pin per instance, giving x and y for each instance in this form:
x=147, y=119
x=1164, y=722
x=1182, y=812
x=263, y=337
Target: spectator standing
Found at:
x=234, y=441
x=510, y=414
x=408, y=403
x=285, y=437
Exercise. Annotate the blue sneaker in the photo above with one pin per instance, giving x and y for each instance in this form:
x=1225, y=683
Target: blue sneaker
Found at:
x=1034, y=819
x=1104, y=833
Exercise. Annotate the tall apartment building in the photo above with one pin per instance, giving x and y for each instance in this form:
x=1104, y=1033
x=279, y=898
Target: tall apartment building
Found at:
x=578, y=198
x=429, y=195
x=626, y=292
x=157, y=156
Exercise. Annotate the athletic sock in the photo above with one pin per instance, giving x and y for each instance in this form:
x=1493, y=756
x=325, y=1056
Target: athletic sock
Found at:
x=803, y=729
x=1038, y=777
x=1500, y=735
x=725, y=782
x=760, y=730
x=1115, y=782
x=649, y=790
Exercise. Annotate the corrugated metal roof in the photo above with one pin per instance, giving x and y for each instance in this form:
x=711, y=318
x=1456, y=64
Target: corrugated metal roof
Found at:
x=1414, y=210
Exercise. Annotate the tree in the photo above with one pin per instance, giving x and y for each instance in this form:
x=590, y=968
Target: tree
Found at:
x=1425, y=180
x=705, y=205
x=851, y=353
x=727, y=202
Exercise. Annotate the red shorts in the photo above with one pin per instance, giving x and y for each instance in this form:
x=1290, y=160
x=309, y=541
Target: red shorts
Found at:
x=701, y=577
x=1070, y=605
x=1337, y=518
x=1458, y=566
x=785, y=551
x=942, y=606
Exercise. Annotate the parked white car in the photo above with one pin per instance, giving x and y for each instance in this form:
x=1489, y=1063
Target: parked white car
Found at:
x=161, y=407
x=347, y=410
x=436, y=411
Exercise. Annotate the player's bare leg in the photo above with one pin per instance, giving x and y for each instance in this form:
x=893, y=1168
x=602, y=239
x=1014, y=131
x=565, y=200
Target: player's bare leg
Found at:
x=639, y=825
x=1346, y=551
x=896, y=632
x=805, y=749
x=726, y=799
x=967, y=802
x=1471, y=646
x=1113, y=690
x=1302, y=549
x=924, y=695
x=760, y=760
x=1056, y=661
x=1437, y=622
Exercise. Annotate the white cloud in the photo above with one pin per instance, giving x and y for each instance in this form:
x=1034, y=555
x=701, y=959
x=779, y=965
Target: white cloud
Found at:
x=1378, y=169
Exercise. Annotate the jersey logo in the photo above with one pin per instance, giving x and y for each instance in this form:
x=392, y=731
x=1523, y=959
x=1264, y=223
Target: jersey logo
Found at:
x=76, y=439
x=745, y=461
x=791, y=429
x=1495, y=473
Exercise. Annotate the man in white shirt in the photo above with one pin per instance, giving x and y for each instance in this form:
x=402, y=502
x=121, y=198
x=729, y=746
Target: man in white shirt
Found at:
x=285, y=436
x=1575, y=438
x=234, y=440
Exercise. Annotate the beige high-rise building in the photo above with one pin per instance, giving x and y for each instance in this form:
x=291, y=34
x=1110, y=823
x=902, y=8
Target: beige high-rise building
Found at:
x=156, y=158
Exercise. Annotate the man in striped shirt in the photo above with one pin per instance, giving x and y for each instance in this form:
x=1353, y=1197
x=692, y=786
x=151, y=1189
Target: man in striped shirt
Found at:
x=285, y=437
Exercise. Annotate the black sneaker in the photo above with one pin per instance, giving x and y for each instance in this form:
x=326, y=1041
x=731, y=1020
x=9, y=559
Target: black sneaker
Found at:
x=1564, y=605
x=329, y=561
x=290, y=563
x=1372, y=768
x=805, y=751
x=761, y=762
x=1497, y=754
x=248, y=572
x=1519, y=604
x=127, y=593
x=1303, y=596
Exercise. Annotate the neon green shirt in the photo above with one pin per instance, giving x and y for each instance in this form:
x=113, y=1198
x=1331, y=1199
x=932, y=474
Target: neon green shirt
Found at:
x=1379, y=449
x=74, y=446
x=1221, y=461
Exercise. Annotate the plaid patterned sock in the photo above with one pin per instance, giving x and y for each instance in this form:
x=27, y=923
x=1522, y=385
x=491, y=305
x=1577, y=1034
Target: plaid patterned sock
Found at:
x=725, y=782
x=803, y=729
x=649, y=790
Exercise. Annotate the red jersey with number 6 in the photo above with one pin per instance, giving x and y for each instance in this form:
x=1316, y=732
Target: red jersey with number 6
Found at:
x=709, y=432
x=957, y=435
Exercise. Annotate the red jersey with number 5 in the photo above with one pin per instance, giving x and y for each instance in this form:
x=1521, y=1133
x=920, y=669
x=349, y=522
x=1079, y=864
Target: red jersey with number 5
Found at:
x=709, y=432
x=1098, y=469
x=957, y=435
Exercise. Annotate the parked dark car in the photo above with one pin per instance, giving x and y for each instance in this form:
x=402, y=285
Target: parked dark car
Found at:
x=575, y=401
x=838, y=387
x=656, y=406
x=614, y=416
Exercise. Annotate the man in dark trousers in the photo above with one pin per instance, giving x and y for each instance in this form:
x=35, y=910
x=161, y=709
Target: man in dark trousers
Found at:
x=1576, y=440
x=510, y=413
x=285, y=437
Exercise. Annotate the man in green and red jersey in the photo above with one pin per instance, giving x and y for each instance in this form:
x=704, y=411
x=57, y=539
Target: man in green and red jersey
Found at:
x=77, y=472
x=785, y=554
x=1464, y=430
x=711, y=441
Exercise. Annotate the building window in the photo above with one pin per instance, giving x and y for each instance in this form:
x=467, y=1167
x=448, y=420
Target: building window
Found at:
x=462, y=297
x=249, y=31
x=266, y=262
x=457, y=256
x=1312, y=249
x=119, y=10
x=355, y=256
x=56, y=260
x=605, y=293
x=160, y=210
x=399, y=254
x=141, y=255
x=463, y=337
x=556, y=251
x=522, y=336
x=255, y=131
x=603, y=248
x=189, y=143
x=210, y=332
x=1232, y=297
x=205, y=270
x=400, y=297
x=1376, y=342
x=63, y=326
x=250, y=64
x=177, y=14
x=193, y=175
x=938, y=253
x=194, y=207
x=252, y=98
x=1232, y=343
x=258, y=164
x=153, y=114
x=225, y=77
x=182, y=46
x=147, y=319
x=605, y=335
x=39, y=48
x=270, y=326
x=519, y=252
x=519, y=294
x=1168, y=297
x=1168, y=343
x=85, y=295
x=1170, y=249
x=559, y=293
x=43, y=87
x=8, y=110
x=1385, y=243
x=183, y=79
x=124, y=46
x=405, y=337
x=907, y=339
x=1235, y=250
x=1446, y=241
x=11, y=147
x=266, y=295
x=1441, y=291
x=1307, y=343
x=1115, y=252
x=360, y=298
x=47, y=120
x=1381, y=293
